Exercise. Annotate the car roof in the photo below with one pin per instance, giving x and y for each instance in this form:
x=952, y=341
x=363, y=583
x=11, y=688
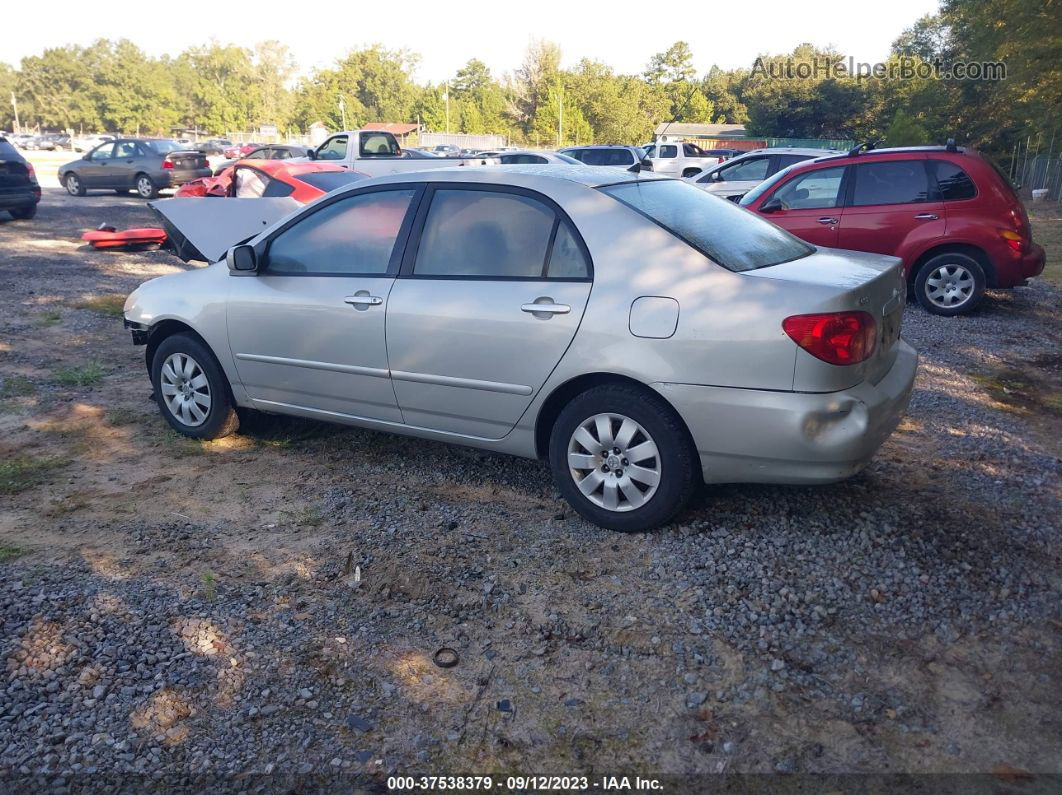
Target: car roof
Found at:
x=597, y=146
x=896, y=150
x=535, y=177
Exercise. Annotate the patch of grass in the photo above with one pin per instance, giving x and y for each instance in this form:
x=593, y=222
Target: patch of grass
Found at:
x=23, y=472
x=1021, y=392
x=309, y=517
x=46, y=319
x=178, y=445
x=210, y=586
x=1046, y=219
x=111, y=305
x=85, y=375
x=10, y=553
x=121, y=416
x=17, y=386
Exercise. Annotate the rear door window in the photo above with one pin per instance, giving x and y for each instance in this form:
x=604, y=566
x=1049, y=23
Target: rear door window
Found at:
x=378, y=145
x=496, y=235
x=953, y=184
x=669, y=150
x=890, y=182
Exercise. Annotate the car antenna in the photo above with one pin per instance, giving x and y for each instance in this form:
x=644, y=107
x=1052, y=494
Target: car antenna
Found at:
x=637, y=167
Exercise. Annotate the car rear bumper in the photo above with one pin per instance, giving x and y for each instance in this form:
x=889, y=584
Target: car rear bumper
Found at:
x=748, y=435
x=1012, y=269
x=174, y=179
x=19, y=197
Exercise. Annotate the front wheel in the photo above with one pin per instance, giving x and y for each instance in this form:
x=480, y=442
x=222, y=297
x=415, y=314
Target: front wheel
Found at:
x=73, y=184
x=145, y=187
x=191, y=389
x=623, y=459
x=950, y=284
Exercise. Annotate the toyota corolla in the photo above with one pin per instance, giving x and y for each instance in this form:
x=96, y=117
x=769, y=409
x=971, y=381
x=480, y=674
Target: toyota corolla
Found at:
x=638, y=334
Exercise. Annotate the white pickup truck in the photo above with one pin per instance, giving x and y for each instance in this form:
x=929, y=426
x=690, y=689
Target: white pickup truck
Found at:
x=377, y=154
x=679, y=158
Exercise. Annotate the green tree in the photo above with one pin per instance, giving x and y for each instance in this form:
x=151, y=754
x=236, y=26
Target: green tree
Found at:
x=906, y=130
x=533, y=80
x=8, y=81
x=673, y=65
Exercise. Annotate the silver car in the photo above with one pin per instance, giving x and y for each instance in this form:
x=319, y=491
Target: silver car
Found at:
x=639, y=334
x=733, y=178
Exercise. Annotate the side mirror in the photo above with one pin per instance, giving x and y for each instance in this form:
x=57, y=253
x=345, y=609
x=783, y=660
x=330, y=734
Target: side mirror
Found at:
x=312, y=154
x=772, y=205
x=242, y=259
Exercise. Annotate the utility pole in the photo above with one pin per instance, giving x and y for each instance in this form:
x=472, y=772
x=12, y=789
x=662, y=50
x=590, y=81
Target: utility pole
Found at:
x=343, y=110
x=560, y=128
x=14, y=106
x=446, y=97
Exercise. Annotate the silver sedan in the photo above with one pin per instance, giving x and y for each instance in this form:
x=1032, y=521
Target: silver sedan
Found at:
x=640, y=335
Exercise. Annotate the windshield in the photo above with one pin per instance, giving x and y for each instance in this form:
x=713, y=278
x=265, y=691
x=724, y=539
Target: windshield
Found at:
x=735, y=238
x=766, y=185
x=329, y=180
x=162, y=147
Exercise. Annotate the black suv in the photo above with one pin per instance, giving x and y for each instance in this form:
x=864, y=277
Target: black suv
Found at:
x=19, y=191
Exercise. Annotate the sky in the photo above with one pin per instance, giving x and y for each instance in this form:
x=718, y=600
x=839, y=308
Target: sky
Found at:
x=447, y=34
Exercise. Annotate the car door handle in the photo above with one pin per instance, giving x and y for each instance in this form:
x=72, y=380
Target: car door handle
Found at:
x=363, y=300
x=927, y=217
x=827, y=220
x=546, y=308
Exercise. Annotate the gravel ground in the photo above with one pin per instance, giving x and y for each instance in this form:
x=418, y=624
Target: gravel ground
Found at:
x=268, y=605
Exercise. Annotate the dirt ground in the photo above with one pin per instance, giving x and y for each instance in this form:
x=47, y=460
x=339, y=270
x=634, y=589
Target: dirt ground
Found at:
x=577, y=646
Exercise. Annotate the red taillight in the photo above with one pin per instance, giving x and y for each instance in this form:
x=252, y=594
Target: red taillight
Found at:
x=30, y=172
x=167, y=163
x=1014, y=240
x=837, y=337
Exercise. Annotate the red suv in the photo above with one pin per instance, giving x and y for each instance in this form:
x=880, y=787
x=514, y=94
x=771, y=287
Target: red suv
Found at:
x=950, y=214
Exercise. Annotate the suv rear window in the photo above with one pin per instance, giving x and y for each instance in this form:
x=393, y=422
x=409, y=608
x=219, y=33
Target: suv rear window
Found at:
x=890, y=182
x=736, y=239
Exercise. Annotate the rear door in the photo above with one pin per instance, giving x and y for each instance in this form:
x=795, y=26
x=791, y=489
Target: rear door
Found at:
x=490, y=296
x=129, y=157
x=891, y=208
x=811, y=205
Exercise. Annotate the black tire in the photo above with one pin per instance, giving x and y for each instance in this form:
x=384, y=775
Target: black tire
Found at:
x=221, y=419
x=689, y=172
x=24, y=213
x=678, y=465
x=73, y=184
x=950, y=284
x=145, y=187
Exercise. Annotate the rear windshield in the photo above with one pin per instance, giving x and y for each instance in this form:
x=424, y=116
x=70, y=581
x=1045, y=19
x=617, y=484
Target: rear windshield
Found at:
x=7, y=150
x=162, y=147
x=329, y=180
x=719, y=229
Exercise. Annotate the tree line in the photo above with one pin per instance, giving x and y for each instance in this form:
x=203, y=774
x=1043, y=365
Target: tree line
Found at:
x=216, y=88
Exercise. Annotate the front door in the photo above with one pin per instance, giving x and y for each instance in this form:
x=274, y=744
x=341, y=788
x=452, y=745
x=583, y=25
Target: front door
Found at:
x=487, y=304
x=892, y=208
x=811, y=205
x=307, y=332
x=94, y=169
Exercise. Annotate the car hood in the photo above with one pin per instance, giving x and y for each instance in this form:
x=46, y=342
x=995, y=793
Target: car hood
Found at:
x=204, y=229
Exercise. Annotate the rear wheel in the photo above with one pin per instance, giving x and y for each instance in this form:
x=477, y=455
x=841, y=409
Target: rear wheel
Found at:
x=689, y=172
x=623, y=459
x=73, y=184
x=950, y=284
x=145, y=187
x=191, y=389
x=24, y=213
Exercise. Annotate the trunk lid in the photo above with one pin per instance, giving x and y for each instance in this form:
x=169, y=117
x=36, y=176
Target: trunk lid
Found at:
x=188, y=161
x=850, y=281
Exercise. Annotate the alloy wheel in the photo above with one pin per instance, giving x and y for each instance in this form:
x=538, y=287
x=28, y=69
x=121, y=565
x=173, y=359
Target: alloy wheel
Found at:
x=185, y=389
x=614, y=462
x=950, y=286
x=73, y=185
x=144, y=187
